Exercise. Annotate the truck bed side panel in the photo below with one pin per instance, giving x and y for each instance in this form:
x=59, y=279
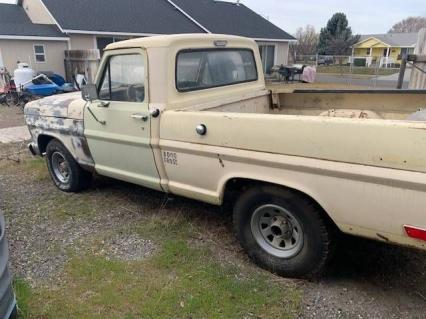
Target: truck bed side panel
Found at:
x=362, y=199
x=390, y=144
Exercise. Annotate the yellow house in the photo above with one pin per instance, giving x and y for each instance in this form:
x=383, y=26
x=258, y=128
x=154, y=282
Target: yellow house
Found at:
x=384, y=49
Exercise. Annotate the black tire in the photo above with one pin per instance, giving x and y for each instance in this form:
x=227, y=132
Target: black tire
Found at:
x=75, y=178
x=306, y=260
x=12, y=98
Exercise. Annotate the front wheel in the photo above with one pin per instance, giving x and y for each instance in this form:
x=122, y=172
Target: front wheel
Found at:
x=283, y=231
x=66, y=174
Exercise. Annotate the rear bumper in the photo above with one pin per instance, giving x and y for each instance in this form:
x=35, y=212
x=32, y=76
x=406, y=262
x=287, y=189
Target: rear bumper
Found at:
x=7, y=297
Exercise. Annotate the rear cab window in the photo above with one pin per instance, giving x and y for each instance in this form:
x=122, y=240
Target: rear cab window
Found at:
x=211, y=68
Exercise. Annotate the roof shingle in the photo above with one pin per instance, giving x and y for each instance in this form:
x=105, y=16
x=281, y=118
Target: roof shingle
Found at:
x=231, y=18
x=394, y=39
x=124, y=16
x=160, y=17
x=15, y=22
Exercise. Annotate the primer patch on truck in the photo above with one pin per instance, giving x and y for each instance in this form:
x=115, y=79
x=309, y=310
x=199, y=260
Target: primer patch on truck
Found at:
x=170, y=158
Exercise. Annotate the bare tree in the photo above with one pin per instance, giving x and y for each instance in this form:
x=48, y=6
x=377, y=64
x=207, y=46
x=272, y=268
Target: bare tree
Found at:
x=410, y=24
x=307, y=42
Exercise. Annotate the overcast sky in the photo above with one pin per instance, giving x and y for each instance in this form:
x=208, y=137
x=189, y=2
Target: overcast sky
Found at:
x=365, y=16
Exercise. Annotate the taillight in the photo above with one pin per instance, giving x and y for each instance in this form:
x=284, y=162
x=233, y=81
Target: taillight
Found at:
x=415, y=232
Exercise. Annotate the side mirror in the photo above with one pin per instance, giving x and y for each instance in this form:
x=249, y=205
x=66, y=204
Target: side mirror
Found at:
x=89, y=92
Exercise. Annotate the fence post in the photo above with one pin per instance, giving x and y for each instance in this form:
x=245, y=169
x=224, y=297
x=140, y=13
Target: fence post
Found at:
x=402, y=72
x=418, y=78
x=81, y=62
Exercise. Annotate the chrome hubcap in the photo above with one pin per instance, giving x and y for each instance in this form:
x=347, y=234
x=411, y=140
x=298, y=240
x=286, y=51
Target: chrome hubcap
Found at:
x=60, y=167
x=277, y=231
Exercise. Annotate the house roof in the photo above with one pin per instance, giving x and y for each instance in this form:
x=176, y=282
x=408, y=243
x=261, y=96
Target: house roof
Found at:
x=123, y=16
x=231, y=18
x=15, y=23
x=393, y=39
x=146, y=17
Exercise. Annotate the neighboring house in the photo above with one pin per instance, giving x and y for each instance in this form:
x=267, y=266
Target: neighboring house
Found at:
x=40, y=45
x=384, y=49
x=93, y=24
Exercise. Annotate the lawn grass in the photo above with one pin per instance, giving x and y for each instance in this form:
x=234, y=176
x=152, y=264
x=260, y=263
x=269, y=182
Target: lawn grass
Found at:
x=185, y=277
x=356, y=70
x=179, y=282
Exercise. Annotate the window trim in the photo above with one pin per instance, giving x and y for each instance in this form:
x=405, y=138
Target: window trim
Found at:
x=106, y=66
x=219, y=85
x=39, y=54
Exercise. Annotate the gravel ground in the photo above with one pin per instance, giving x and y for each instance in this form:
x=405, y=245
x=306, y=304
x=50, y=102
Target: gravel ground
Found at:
x=366, y=280
x=11, y=116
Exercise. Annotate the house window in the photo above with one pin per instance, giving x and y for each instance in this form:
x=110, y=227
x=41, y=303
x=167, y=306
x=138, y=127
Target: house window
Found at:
x=102, y=42
x=406, y=51
x=39, y=53
x=267, y=54
x=369, y=51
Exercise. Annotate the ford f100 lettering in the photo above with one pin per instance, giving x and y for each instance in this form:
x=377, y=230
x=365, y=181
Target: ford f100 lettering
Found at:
x=191, y=115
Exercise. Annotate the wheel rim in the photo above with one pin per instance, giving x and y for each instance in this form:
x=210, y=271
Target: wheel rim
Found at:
x=60, y=167
x=277, y=231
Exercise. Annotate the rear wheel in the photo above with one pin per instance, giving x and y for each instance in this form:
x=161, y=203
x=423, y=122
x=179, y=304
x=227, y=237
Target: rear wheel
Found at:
x=66, y=174
x=283, y=231
x=12, y=98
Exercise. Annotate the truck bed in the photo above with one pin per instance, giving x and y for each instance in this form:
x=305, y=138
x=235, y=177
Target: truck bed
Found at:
x=359, y=127
x=365, y=104
x=370, y=166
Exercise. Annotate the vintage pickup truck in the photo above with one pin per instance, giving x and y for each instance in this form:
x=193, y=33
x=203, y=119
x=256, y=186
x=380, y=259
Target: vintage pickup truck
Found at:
x=191, y=115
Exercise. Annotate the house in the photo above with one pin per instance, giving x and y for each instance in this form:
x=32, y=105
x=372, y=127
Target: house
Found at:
x=384, y=49
x=93, y=24
x=40, y=45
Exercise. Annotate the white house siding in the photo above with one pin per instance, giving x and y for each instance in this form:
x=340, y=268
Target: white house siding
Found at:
x=37, y=12
x=23, y=51
x=82, y=42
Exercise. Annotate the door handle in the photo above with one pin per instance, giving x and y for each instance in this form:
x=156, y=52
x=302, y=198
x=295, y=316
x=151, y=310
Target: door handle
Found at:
x=103, y=104
x=140, y=117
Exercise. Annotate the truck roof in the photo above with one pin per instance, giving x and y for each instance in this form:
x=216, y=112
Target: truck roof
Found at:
x=170, y=40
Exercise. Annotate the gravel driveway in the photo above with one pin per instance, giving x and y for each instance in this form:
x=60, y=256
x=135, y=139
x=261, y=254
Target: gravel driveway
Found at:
x=366, y=280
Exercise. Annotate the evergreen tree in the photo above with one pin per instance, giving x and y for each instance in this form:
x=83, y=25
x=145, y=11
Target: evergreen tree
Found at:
x=336, y=38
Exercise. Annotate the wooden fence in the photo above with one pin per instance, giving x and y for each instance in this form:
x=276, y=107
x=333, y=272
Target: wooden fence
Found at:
x=85, y=62
x=418, y=73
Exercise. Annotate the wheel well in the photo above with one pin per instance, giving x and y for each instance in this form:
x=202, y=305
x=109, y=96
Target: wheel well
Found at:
x=42, y=142
x=237, y=186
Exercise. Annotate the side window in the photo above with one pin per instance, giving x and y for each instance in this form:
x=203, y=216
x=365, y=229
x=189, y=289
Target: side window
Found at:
x=203, y=69
x=123, y=79
x=39, y=53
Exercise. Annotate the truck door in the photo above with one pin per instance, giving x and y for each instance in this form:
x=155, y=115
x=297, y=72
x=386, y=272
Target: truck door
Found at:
x=117, y=126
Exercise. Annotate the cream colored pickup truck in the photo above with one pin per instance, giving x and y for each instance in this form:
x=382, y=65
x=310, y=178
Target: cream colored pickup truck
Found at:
x=190, y=115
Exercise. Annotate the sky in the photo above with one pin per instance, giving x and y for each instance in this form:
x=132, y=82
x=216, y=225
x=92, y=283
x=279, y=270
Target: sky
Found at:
x=365, y=16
